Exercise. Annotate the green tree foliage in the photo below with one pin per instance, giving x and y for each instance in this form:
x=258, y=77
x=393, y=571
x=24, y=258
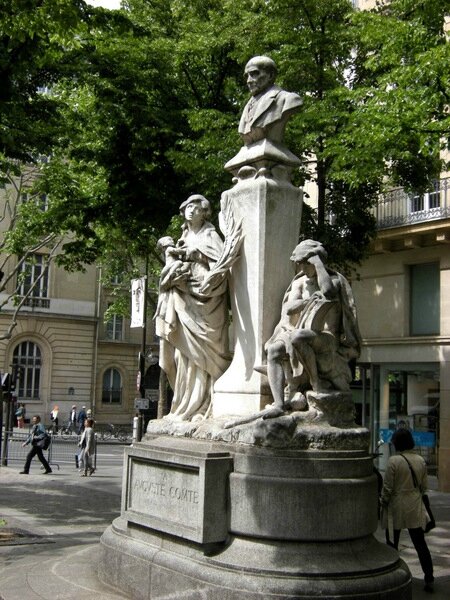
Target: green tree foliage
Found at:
x=145, y=102
x=401, y=91
x=35, y=36
x=375, y=89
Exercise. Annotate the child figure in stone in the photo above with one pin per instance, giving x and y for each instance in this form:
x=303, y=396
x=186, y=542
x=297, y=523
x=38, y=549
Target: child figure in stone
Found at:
x=175, y=268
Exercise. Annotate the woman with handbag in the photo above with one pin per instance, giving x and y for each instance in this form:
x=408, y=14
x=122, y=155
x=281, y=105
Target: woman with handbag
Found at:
x=405, y=482
x=39, y=439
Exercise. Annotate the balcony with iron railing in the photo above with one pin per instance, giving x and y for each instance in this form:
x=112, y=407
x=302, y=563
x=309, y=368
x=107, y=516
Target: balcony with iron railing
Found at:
x=37, y=302
x=397, y=208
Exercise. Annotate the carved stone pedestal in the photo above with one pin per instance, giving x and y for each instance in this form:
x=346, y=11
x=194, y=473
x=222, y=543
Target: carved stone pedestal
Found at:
x=269, y=209
x=226, y=522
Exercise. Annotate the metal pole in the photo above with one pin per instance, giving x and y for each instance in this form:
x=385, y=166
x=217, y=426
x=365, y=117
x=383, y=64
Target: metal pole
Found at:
x=364, y=395
x=1, y=421
x=8, y=411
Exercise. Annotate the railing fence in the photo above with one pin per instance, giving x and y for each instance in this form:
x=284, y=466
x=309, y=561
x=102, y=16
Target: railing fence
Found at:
x=61, y=450
x=396, y=207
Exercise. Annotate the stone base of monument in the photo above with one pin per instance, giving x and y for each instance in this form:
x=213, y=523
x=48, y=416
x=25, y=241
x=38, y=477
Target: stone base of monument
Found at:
x=223, y=521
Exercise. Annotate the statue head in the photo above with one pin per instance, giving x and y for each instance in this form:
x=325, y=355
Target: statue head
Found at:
x=306, y=249
x=199, y=200
x=261, y=72
x=164, y=243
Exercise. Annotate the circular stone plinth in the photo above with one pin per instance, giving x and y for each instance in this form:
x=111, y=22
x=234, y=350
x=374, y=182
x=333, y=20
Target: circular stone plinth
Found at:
x=146, y=565
x=301, y=526
x=304, y=495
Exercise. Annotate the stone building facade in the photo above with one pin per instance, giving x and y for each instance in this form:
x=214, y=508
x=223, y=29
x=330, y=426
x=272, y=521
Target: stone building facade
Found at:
x=403, y=299
x=66, y=352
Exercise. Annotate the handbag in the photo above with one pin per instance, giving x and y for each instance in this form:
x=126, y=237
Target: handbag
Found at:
x=426, y=501
x=431, y=523
x=42, y=441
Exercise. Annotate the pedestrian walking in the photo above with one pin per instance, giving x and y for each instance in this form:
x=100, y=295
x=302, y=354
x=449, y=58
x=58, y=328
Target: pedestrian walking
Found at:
x=87, y=444
x=54, y=418
x=73, y=418
x=37, y=438
x=20, y=416
x=81, y=418
x=405, y=482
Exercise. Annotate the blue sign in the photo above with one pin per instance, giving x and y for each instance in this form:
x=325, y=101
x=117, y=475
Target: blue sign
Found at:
x=386, y=435
x=423, y=439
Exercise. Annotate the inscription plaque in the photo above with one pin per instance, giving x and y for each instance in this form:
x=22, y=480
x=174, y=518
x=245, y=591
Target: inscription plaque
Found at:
x=169, y=490
x=180, y=492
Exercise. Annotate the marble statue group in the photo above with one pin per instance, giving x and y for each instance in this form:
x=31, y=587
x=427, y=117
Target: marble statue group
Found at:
x=317, y=332
x=258, y=483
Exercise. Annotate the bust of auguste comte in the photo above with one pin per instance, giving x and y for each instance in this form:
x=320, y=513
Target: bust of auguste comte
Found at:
x=266, y=113
x=263, y=120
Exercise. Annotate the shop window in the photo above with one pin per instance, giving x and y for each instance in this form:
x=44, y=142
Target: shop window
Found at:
x=412, y=403
x=27, y=356
x=112, y=387
x=425, y=299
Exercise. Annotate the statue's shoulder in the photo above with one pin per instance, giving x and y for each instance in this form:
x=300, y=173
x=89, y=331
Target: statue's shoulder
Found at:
x=209, y=236
x=272, y=91
x=209, y=229
x=291, y=100
x=296, y=283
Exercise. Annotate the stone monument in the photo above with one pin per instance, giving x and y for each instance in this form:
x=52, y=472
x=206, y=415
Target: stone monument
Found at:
x=258, y=484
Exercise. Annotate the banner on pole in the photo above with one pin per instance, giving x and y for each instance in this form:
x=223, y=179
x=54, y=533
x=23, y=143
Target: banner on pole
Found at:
x=137, y=302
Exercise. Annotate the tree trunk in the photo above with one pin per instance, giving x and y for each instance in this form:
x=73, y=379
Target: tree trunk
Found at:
x=321, y=194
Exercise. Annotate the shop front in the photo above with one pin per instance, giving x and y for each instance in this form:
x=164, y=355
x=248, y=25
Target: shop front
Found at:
x=404, y=395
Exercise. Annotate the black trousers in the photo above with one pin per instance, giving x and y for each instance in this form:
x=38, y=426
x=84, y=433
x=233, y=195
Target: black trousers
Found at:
x=35, y=451
x=418, y=539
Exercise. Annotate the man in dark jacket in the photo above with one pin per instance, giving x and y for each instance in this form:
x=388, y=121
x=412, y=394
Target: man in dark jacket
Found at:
x=81, y=418
x=37, y=434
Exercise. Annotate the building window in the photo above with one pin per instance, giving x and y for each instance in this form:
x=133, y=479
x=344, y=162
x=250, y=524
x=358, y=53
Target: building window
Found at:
x=114, y=328
x=41, y=200
x=427, y=203
x=27, y=356
x=112, y=387
x=117, y=279
x=34, y=270
x=425, y=299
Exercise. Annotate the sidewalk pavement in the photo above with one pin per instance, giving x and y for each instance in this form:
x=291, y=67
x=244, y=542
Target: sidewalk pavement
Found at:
x=62, y=517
